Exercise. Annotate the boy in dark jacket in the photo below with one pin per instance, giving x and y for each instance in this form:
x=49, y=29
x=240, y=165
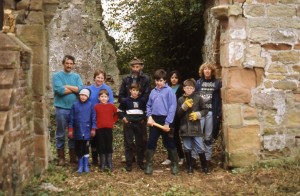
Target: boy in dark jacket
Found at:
x=190, y=109
x=132, y=112
x=82, y=127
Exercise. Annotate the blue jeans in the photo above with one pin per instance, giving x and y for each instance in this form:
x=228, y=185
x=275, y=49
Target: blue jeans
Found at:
x=207, y=128
x=194, y=143
x=62, y=120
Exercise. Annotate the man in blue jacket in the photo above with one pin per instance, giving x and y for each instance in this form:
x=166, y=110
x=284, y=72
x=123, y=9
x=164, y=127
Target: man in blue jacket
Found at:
x=66, y=85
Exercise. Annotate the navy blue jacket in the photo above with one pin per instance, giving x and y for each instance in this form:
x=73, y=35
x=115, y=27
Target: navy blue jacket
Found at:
x=82, y=120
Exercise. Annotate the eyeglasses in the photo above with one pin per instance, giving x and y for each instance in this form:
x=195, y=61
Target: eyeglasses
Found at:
x=159, y=80
x=188, y=88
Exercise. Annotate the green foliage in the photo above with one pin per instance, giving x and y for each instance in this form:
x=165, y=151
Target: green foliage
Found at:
x=165, y=34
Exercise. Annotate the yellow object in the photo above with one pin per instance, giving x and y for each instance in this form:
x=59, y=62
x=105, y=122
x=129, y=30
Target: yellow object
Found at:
x=189, y=102
x=193, y=116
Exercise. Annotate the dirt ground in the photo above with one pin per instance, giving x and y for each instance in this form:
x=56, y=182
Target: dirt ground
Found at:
x=268, y=178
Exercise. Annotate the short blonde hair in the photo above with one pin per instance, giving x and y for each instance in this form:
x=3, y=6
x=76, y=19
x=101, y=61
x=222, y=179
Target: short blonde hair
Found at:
x=210, y=66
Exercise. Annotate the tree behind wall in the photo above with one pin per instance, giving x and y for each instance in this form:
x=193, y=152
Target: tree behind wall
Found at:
x=165, y=34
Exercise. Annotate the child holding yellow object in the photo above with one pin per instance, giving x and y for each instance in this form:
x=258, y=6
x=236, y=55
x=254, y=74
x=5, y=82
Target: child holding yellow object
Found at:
x=190, y=109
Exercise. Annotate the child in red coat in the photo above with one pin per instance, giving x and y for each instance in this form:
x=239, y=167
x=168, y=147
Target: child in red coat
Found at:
x=106, y=116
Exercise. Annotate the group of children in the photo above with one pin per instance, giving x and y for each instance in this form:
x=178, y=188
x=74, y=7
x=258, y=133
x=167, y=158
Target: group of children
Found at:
x=88, y=121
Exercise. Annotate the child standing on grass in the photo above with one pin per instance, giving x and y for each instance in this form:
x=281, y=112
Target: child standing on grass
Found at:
x=106, y=116
x=132, y=113
x=190, y=109
x=82, y=125
x=161, y=108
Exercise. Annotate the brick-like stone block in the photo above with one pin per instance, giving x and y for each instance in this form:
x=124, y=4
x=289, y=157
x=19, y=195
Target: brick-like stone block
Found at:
x=289, y=1
x=263, y=23
x=39, y=109
x=237, y=95
x=277, y=46
x=281, y=11
x=3, y=121
x=39, y=126
x=40, y=145
x=6, y=99
x=276, y=68
x=257, y=10
x=293, y=23
x=36, y=5
x=9, y=59
x=267, y=1
x=7, y=77
x=260, y=35
x=283, y=36
x=232, y=115
x=244, y=138
x=242, y=159
x=293, y=119
x=275, y=77
x=39, y=53
x=237, y=77
x=285, y=85
x=250, y=116
x=31, y=34
x=286, y=57
x=296, y=68
x=35, y=18
x=253, y=57
x=38, y=75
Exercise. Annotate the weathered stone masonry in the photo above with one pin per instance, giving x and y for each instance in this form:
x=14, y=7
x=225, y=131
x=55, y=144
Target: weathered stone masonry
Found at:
x=259, y=57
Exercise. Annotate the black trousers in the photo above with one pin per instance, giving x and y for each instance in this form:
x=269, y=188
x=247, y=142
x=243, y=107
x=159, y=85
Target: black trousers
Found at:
x=82, y=147
x=134, y=141
x=104, y=139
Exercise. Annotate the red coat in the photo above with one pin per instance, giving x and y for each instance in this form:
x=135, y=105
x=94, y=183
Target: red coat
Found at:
x=106, y=115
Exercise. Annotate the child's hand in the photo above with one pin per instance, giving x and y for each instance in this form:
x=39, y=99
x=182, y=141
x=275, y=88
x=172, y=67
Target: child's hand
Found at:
x=125, y=120
x=70, y=133
x=150, y=121
x=93, y=133
x=194, y=116
x=188, y=103
x=166, y=128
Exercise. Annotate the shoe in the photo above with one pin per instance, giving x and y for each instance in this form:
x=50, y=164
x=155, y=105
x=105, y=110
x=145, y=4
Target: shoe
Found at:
x=180, y=162
x=128, y=168
x=166, y=162
x=141, y=166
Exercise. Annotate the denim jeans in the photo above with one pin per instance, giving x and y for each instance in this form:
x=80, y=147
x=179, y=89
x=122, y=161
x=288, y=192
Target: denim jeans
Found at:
x=207, y=128
x=62, y=120
x=193, y=143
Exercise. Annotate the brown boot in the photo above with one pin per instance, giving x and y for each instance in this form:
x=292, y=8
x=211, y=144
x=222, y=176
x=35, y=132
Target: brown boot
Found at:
x=73, y=157
x=61, y=157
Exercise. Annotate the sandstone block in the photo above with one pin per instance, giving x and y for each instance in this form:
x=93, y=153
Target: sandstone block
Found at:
x=7, y=77
x=270, y=130
x=3, y=119
x=242, y=159
x=285, y=85
x=237, y=77
x=31, y=34
x=263, y=100
x=259, y=35
x=237, y=95
x=253, y=57
x=9, y=59
x=23, y=5
x=36, y=5
x=276, y=68
x=232, y=115
x=263, y=23
x=39, y=126
x=244, y=139
x=274, y=142
x=257, y=10
x=6, y=99
x=250, y=116
x=39, y=109
x=293, y=23
x=293, y=119
x=40, y=164
x=38, y=54
x=236, y=53
x=275, y=77
x=51, y=1
x=296, y=68
x=289, y=1
x=283, y=36
x=269, y=117
x=267, y=1
x=268, y=84
x=40, y=145
x=38, y=75
x=286, y=57
x=278, y=46
x=281, y=11
x=35, y=18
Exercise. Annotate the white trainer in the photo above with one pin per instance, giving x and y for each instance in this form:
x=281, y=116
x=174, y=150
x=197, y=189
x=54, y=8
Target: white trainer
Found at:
x=180, y=162
x=166, y=162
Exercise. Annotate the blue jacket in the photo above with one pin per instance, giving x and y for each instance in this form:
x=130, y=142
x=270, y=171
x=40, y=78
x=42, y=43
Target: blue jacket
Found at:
x=162, y=102
x=82, y=120
x=95, y=93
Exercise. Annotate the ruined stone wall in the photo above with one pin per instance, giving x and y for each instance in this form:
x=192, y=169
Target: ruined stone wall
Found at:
x=77, y=29
x=260, y=60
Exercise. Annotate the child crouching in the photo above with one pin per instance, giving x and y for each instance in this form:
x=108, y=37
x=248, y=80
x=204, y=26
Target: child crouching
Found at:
x=82, y=127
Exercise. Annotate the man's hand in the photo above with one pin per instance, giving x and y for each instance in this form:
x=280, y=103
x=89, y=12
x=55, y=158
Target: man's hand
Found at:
x=125, y=120
x=70, y=133
x=150, y=121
